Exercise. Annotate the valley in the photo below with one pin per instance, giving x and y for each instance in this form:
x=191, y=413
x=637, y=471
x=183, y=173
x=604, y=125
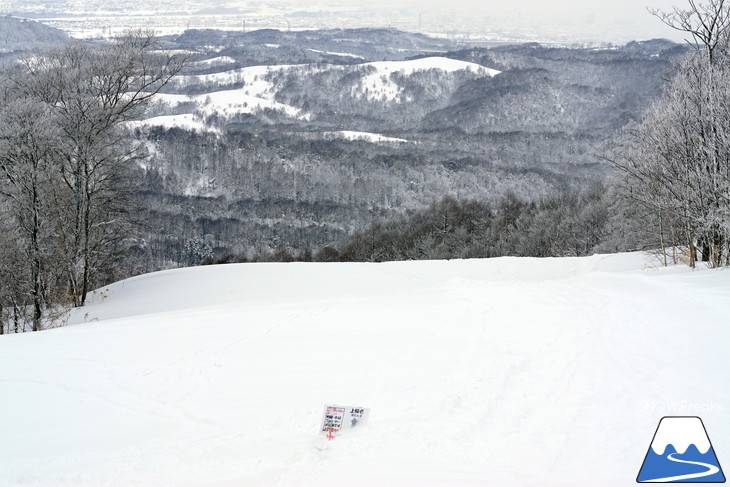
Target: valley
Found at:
x=293, y=140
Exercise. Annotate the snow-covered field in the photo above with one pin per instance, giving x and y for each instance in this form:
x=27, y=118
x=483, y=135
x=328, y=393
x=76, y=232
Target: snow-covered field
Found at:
x=500, y=372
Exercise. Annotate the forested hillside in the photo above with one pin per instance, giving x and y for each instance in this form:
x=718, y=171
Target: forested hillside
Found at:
x=143, y=153
x=21, y=35
x=341, y=46
x=247, y=159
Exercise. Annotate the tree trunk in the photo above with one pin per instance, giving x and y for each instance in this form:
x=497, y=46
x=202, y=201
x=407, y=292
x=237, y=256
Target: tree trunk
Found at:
x=706, y=246
x=661, y=237
x=716, y=244
x=36, y=265
x=692, y=249
x=87, y=234
x=37, y=296
x=73, y=290
x=16, y=318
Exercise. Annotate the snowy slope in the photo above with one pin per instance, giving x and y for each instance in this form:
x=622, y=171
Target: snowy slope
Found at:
x=366, y=136
x=216, y=61
x=379, y=84
x=253, y=79
x=250, y=90
x=505, y=372
x=186, y=121
x=255, y=95
x=231, y=102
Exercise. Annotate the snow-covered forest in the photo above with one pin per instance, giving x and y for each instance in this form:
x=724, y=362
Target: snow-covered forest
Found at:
x=510, y=262
x=66, y=164
x=147, y=153
x=241, y=179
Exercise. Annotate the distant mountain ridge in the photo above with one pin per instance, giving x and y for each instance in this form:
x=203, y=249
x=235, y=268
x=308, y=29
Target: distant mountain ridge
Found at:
x=331, y=45
x=588, y=91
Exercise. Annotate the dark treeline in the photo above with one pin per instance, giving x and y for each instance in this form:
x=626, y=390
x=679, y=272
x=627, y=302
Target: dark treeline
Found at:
x=567, y=222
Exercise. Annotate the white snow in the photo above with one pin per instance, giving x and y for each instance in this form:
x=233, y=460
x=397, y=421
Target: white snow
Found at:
x=256, y=83
x=366, y=136
x=231, y=102
x=252, y=77
x=225, y=104
x=341, y=54
x=380, y=86
x=256, y=94
x=681, y=433
x=187, y=121
x=257, y=91
x=506, y=372
x=215, y=61
x=434, y=62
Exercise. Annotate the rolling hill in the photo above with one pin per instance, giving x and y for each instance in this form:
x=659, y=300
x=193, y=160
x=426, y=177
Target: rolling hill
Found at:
x=17, y=34
x=254, y=149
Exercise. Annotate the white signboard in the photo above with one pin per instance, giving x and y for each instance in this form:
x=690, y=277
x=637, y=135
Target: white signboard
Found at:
x=340, y=419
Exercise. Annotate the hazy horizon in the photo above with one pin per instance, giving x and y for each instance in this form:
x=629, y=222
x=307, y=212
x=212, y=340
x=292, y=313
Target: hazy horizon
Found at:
x=628, y=19
x=558, y=20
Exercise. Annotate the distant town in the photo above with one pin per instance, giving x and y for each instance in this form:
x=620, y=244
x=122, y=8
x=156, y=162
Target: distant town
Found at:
x=100, y=18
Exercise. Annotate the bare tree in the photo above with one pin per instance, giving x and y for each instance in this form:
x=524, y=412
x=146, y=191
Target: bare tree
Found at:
x=28, y=141
x=92, y=92
x=678, y=159
x=707, y=24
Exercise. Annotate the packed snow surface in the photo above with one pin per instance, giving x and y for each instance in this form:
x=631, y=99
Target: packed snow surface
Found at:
x=500, y=372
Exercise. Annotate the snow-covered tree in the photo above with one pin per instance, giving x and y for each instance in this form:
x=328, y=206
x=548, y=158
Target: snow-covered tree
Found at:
x=28, y=152
x=677, y=160
x=65, y=157
x=91, y=92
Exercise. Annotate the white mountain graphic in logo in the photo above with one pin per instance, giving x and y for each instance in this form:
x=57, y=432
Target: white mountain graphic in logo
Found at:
x=681, y=452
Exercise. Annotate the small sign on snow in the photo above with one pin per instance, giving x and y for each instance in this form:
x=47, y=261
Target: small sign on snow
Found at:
x=339, y=419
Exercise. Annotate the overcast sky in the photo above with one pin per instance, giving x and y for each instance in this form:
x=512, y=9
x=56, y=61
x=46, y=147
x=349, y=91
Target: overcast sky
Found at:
x=613, y=8
x=630, y=17
x=582, y=20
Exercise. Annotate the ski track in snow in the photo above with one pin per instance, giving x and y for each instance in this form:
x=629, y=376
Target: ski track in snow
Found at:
x=516, y=372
